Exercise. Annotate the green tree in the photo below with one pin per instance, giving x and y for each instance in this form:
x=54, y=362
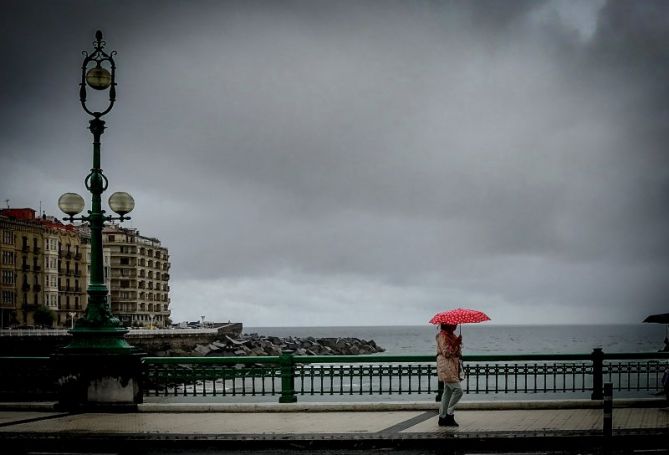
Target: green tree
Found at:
x=43, y=316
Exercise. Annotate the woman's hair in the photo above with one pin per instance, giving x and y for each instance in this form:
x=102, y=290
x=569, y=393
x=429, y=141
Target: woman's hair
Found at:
x=448, y=327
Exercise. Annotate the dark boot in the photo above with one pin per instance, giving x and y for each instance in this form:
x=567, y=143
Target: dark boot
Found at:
x=442, y=421
x=450, y=421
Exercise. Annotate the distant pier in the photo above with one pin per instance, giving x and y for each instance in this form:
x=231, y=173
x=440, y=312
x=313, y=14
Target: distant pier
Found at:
x=44, y=342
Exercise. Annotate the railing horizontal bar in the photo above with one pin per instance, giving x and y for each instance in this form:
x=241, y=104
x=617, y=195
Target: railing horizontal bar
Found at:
x=390, y=358
x=638, y=355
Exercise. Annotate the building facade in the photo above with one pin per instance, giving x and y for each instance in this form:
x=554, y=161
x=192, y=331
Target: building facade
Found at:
x=139, y=278
x=21, y=275
x=44, y=263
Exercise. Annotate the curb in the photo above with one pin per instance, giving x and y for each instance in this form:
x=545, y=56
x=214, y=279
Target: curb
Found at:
x=28, y=406
x=390, y=406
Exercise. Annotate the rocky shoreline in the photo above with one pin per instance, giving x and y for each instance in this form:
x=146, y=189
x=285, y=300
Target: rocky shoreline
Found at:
x=260, y=345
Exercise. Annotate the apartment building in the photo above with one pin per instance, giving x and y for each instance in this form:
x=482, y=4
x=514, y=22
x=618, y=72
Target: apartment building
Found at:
x=21, y=268
x=45, y=262
x=64, y=271
x=40, y=266
x=139, y=277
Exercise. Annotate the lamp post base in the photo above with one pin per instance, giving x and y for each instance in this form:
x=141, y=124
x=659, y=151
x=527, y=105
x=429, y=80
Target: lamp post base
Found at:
x=99, y=370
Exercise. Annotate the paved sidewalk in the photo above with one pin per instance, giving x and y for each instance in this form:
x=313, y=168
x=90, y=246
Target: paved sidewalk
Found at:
x=508, y=429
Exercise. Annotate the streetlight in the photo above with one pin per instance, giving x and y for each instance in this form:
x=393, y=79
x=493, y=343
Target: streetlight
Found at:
x=98, y=329
x=72, y=315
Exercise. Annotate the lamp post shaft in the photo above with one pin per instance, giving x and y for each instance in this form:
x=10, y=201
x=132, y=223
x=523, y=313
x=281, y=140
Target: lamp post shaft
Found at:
x=96, y=185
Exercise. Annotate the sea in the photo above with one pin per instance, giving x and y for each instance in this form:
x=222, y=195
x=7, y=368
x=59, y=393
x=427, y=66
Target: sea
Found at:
x=494, y=339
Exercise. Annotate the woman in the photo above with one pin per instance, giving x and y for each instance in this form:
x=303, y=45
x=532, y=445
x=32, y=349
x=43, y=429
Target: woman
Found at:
x=449, y=353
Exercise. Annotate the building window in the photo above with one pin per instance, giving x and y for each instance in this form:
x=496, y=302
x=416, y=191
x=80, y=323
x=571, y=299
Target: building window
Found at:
x=110, y=238
x=8, y=237
x=8, y=277
x=125, y=261
x=8, y=258
x=125, y=283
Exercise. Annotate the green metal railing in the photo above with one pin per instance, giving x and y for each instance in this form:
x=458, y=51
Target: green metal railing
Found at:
x=289, y=376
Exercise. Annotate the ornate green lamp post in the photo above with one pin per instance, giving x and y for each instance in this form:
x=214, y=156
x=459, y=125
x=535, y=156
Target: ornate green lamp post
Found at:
x=98, y=330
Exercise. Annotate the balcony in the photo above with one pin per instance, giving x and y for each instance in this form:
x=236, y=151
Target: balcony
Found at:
x=25, y=287
x=37, y=287
x=37, y=268
x=36, y=249
x=25, y=268
x=25, y=248
x=77, y=256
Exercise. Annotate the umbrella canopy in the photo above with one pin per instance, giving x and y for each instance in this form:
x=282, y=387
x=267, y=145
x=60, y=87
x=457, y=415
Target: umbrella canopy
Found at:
x=658, y=318
x=459, y=316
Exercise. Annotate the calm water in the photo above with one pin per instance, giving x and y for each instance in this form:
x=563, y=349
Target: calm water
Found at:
x=495, y=339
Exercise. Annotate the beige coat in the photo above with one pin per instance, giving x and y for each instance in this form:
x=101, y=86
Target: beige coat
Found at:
x=448, y=360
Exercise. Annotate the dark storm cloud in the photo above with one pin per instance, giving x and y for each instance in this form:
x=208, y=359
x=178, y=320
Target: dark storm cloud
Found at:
x=506, y=155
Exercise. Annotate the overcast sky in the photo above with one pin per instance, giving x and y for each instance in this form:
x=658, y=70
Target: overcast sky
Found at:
x=364, y=162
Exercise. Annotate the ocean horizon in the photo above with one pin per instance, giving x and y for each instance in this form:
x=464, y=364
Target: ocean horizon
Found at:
x=493, y=338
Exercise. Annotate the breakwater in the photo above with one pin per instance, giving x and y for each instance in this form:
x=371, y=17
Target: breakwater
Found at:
x=257, y=345
x=226, y=340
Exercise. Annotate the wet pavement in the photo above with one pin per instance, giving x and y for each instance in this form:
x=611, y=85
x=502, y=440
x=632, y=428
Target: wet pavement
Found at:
x=326, y=430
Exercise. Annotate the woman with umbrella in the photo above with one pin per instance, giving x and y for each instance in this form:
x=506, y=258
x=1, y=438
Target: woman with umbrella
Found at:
x=449, y=354
x=449, y=359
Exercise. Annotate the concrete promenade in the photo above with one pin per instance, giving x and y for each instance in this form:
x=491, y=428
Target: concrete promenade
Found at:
x=548, y=426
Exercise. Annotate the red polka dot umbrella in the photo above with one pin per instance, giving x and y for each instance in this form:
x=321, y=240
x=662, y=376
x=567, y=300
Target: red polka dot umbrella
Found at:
x=459, y=316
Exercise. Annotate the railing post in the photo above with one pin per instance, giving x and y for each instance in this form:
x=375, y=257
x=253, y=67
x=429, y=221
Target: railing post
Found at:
x=597, y=373
x=287, y=363
x=608, y=410
x=440, y=391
